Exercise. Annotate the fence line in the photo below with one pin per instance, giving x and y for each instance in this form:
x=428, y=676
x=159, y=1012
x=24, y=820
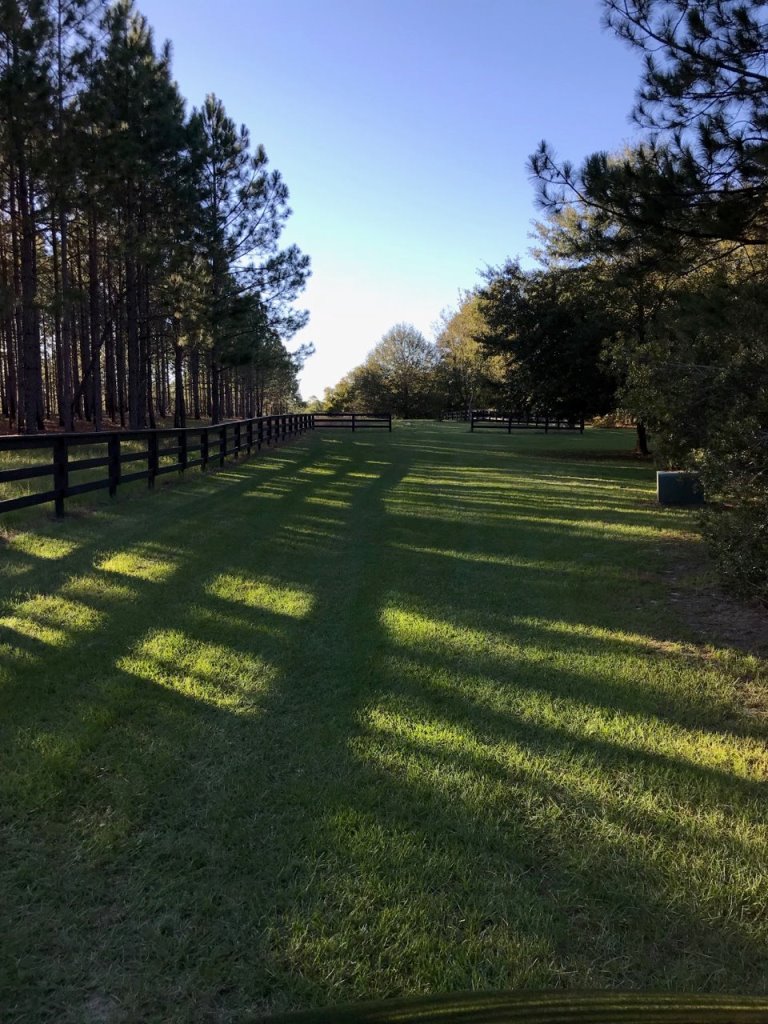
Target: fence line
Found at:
x=490, y=419
x=188, y=447
x=353, y=421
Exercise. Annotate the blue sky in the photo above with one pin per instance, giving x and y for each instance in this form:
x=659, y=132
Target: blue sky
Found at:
x=402, y=130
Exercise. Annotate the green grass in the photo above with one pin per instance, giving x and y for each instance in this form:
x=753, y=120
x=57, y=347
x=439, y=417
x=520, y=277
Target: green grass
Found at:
x=367, y=716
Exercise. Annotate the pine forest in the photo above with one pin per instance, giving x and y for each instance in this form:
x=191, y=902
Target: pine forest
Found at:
x=141, y=274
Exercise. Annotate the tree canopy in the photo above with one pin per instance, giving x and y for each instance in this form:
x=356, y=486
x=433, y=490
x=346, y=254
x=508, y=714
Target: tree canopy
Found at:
x=141, y=272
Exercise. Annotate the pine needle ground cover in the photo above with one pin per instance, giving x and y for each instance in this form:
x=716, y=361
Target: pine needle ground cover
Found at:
x=372, y=715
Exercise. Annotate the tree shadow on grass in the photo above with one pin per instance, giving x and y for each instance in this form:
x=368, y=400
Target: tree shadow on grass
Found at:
x=266, y=797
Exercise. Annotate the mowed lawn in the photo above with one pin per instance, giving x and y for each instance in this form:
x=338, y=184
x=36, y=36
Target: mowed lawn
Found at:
x=371, y=715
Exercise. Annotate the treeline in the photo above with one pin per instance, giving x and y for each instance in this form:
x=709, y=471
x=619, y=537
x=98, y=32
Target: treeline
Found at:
x=525, y=340
x=651, y=292
x=670, y=239
x=408, y=376
x=140, y=268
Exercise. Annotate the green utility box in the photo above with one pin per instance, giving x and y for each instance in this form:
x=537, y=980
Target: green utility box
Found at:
x=676, y=487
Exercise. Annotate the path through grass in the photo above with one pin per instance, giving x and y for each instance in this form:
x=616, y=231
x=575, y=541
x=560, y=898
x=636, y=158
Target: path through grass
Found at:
x=369, y=716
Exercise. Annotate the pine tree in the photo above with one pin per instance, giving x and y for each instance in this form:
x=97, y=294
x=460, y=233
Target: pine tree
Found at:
x=244, y=208
x=26, y=33
x=703, y=169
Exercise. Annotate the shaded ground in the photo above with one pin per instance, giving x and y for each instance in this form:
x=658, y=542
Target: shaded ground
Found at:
x=367, y=716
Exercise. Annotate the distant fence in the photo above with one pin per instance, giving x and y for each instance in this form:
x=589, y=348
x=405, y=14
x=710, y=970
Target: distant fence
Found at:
x=156, y=451
x=490, y=419
x=352, y=421
x=455, y=416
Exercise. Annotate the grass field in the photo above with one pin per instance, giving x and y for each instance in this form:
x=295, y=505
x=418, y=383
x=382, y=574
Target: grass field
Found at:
x=371, y=715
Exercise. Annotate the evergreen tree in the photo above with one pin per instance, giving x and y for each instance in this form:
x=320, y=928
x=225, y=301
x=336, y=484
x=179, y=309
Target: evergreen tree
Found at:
x=550, y=328
x=703, y=171
x=244, y=208
x=26, y=34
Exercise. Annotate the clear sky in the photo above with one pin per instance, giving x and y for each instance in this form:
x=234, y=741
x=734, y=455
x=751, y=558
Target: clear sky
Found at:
x=402, y=129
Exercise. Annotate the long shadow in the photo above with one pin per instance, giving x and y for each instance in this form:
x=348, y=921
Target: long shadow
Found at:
x=397, y=835
x=229, y=766
x=222, y=828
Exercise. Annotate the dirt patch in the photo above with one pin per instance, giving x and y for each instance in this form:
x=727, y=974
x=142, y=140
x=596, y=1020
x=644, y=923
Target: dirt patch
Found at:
x=719, y=622
x=712, y=615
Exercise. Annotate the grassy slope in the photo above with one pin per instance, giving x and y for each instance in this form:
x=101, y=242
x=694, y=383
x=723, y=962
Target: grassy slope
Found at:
x=370, y=716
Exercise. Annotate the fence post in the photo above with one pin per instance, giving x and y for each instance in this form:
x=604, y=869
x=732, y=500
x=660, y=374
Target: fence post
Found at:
x=60, y=473
x=113, y=454
x=249, y=435
x=581, y=425
x=182, y=450
x=153, y=459
x=222, y=444
x=472, y=422
x=353, y=423
x=260, y=433
x=237, y=440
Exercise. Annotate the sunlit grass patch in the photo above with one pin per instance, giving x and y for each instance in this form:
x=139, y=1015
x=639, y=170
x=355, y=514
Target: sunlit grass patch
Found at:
x=264, y=593
x=52, y=620
x=40, y=546
x=329, y=501
x=141, y=563
x=209, y=672
x=318, y=471
x=97, y=588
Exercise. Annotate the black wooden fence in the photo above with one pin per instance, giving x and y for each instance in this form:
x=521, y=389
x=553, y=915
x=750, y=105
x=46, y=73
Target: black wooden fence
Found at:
x=352, y=421
x=156, y=452
x=490, y=419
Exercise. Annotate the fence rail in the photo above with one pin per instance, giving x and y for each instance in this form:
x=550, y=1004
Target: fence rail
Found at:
x=353, y=421
x=159, y=452
x=490, y=419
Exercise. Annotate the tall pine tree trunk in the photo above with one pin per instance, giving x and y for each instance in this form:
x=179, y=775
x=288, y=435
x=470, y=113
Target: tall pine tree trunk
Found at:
x=83, y=393
x=215, y=384
x=194, y=373
x=110, y=363
x=179, y=407
x=9, y=394
x=93, y=296
x=30, y=339
x=135, y=404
